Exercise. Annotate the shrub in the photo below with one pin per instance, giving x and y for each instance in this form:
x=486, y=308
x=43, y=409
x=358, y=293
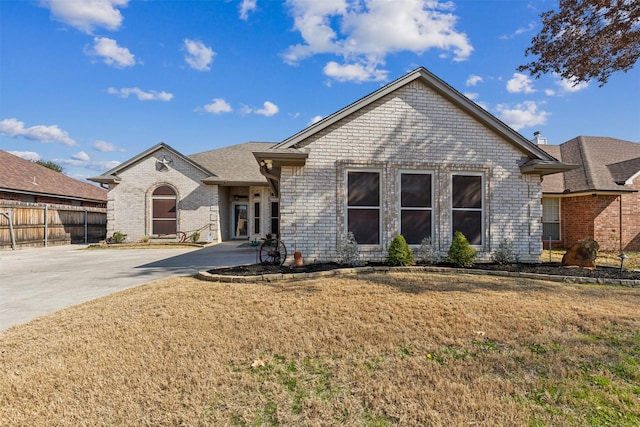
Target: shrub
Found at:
x=427, y=252
x=118, y=237
x=461, y=254
x=144, y=239
x=195, y=237
x=399, y=252
x=506, y=252
x=348, y=250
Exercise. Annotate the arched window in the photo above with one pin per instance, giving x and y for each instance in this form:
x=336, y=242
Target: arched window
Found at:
x=163, y=211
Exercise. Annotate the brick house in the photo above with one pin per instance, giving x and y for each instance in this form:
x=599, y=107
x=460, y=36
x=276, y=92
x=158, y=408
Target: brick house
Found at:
x=161, y=191
x=25, y=181
x=600, y=199
x=415, y=157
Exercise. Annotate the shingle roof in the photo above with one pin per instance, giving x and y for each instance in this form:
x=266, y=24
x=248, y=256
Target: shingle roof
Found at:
x=23, y=176
x=605, y=164
x=234, y=164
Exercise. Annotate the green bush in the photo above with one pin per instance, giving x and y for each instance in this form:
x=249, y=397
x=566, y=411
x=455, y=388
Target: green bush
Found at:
x=399, y=252
x=195, y=237
x=506, y=252
x=461, y=254
x=118, y=237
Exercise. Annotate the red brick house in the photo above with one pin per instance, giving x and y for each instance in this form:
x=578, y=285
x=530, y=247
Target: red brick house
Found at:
x=600, y=199
x=25, y=181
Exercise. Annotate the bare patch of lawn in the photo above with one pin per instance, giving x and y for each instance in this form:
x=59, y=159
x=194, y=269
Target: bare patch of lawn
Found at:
x=384, y=349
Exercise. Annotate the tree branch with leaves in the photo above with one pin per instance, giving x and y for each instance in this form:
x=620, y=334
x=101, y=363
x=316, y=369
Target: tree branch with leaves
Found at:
x=587, y=39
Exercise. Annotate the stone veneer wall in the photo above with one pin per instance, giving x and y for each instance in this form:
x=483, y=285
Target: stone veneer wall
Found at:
x=131, y=199
x=413, y=128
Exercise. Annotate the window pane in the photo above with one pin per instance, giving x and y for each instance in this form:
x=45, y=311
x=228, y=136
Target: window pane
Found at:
x=275, y=226
x=551, y=230
x=364, y=224
x=415, y=225
x=363, y=189
x=164, y=227
x=550, y=209
x=467, y=191
x=415, y=190
x=164, y=208
x=164, y=191
x=275, y=208
x=256, y=218
x=468, y=223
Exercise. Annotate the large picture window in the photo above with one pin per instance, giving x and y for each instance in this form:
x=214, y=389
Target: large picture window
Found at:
x=467, y=207
x=416, y=207
x=164, y=212
x=363, y=206
x=551, y=218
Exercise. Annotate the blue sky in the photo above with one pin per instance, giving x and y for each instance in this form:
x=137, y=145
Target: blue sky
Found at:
x=90, y=83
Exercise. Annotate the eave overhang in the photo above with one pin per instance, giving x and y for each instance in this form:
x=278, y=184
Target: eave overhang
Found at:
x=546, y=167
x=104, y=179
x=281, y=157
x=214, y=180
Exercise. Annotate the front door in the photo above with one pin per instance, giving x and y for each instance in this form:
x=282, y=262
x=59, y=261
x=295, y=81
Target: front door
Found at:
x=240, y=221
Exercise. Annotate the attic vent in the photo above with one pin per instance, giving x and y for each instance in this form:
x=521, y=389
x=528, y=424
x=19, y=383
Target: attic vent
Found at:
x=34, y=181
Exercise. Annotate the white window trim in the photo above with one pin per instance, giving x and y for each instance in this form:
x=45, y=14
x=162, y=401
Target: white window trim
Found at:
x=347, y=207
x=481, y=209
x=399, y=201
x=151, y=216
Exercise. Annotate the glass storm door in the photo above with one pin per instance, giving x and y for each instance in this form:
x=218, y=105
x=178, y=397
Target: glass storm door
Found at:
x=240, y=220
x=164, y=211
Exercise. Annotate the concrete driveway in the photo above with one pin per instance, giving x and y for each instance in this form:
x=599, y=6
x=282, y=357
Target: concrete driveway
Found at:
x=38, y=281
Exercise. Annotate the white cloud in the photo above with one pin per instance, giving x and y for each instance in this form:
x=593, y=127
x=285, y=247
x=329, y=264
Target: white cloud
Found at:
x=569, y=85
x=520, y=83
x=354, y=72
x=104, y=146
x=549, y=92
x=217, y=106
x=520, y=31
x=269, y=109
x=151, y=95
x=82, y=160
x=111, y=53
x=523, y=115
x=471, y=95
x=245, y=7
x=199, y=57
x=27, y=155
x=85, y=15
x=40, y=133
x=473, y=80
x=81, y=155
x=365, y=32
x=314, y=120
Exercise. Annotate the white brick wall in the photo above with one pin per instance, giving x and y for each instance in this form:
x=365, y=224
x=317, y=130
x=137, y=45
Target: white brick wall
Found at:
x=412, y=128
x=129, y=203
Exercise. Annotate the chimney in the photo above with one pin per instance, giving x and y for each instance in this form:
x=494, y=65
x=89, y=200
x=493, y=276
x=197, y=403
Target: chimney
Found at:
x=538, y=139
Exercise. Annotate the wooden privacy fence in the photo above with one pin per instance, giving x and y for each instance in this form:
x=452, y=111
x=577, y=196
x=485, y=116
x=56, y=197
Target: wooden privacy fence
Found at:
x=37, y=224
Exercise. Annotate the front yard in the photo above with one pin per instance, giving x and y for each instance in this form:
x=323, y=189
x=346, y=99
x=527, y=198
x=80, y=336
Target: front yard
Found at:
x=383, y=349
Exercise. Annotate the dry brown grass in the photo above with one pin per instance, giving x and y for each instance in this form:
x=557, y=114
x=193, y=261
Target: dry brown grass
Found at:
x=394, y=349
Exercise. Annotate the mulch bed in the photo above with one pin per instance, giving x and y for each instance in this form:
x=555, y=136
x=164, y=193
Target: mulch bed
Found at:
x=542, y=268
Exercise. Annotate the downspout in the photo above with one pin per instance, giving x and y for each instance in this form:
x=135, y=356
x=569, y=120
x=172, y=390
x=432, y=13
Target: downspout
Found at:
x=620, y=222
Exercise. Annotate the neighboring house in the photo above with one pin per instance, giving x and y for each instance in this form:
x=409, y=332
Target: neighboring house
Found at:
x=415, y=157
x=42, y=207
x=25, y=181
x=600, y=199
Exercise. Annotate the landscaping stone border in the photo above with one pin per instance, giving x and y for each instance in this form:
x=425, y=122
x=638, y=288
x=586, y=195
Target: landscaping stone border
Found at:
x=354, y=271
